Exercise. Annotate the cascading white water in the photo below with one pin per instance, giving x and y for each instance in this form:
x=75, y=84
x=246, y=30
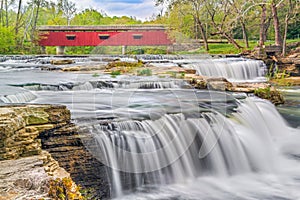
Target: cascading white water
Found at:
x=22, y=97
x=176, y=147
x=88, y=86
x=234, y=69
x=150, y=84
x=188, y=140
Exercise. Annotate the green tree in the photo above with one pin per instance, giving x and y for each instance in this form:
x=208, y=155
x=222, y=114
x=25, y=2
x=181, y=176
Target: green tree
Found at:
x=7, y=40
x=192, y=9
x=88, y=17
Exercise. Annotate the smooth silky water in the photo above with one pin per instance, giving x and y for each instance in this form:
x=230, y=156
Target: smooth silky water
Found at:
x=164, y=141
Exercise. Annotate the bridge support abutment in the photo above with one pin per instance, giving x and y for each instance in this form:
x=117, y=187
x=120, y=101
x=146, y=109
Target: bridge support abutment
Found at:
x=60, y=50
x=124, y=48
x=43, y=49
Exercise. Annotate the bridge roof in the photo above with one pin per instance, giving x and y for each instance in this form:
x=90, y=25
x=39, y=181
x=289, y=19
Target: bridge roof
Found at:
x=102, y=28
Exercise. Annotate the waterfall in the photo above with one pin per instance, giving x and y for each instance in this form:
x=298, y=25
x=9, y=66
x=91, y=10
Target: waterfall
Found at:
x=177, y=147
x=150, y=84
x=234, y=69
x=90, y=85
x=22, y=97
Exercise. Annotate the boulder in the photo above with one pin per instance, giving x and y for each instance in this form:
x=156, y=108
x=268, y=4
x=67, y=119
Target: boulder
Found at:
x=61, y=62
x=83, y=68
x=271, y=94
x=221, y=84
x=190, y=71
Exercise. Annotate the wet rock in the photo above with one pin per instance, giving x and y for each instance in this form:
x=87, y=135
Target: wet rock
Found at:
x=221, y=84
x=72, y=147
x=61, y=62
x=110, y=59
x=196, y=81
x=190, y=71
x=271, y=94
x=248, y=87
x=288, y=81
x=83, y=68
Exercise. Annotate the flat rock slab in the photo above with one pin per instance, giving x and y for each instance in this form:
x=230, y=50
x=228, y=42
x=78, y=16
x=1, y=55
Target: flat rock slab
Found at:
x=23, y=178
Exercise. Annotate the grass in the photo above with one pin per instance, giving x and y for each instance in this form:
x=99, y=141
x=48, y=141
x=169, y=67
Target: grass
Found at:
x=95, y=75
x=271, y=94
x=227, y=48
x=115, y=73
x=144, y=72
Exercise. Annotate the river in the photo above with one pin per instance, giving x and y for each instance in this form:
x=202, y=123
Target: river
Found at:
x=164, y=140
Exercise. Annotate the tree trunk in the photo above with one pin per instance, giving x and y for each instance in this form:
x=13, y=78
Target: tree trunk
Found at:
x=203, y=34
x=286, y=22
x=262, y=30
x=278, y=39
x=231, y=40
x=18, y=17
x=245, y=35
x=200, y=25
x=1, y=13
x=267, y=26
x=38, y=5
x=196, y=28
x=6, y=14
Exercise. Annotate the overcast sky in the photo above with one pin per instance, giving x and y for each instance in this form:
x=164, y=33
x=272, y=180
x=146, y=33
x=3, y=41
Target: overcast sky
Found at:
x=142, y=9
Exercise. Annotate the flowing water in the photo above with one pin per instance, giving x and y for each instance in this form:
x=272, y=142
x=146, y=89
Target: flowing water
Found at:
x=164, y=140
x=233, y=69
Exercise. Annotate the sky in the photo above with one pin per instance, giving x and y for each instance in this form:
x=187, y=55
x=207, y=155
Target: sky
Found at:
x=141, y=9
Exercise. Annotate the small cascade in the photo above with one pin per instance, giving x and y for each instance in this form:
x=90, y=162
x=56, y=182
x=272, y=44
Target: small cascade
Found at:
x=65, y=86
x=158, y=57
x=2, y=59
x=150, y=84
x=23, y=58
x=91, y=85
x=22, y=97
x=85, y=86
x=179, y=147
x=234, y=69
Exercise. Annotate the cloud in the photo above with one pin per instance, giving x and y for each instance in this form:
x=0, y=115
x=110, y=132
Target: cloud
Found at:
x=142, y=9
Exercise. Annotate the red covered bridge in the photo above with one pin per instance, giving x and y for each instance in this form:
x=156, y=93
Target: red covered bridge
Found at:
x=134, y=35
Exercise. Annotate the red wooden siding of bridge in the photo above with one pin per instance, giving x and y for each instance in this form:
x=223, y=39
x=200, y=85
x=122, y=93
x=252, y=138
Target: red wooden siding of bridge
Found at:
x=104, y=36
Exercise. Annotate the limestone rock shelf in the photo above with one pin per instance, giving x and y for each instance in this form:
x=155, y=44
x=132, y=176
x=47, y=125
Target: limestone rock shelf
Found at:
x=20, y=127
x=26, y=171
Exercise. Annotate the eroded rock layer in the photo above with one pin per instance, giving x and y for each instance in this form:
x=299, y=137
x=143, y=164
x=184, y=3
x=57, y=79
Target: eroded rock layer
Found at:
x=27, y=171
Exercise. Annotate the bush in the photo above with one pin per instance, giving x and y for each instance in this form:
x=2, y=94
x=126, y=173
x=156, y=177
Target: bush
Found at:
x=115, y=73
x=7, y=41
x=62, y=189
x=95, y=75
x=271, y=94
x=144, y=72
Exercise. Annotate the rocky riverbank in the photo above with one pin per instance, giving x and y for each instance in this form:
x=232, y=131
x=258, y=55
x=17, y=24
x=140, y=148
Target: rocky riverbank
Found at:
x=283, y=70
x=26, y=170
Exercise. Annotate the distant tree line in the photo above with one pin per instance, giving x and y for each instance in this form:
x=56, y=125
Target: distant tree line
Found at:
x=19, y=21
x=259, y=20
